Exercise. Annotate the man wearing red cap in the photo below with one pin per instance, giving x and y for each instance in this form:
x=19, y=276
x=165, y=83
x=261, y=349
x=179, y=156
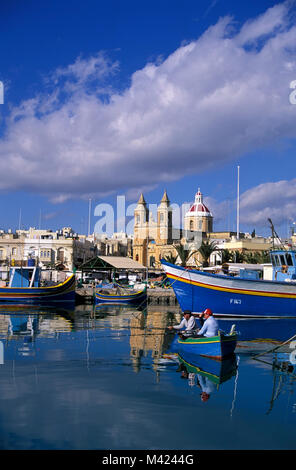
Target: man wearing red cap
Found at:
x=210, y=326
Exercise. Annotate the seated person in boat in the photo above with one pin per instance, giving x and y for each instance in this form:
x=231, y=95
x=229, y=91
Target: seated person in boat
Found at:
x=188, y=324
x=210, y=326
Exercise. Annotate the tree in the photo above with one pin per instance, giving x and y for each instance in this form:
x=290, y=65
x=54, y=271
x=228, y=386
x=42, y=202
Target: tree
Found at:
x=226, y=256
x=259, y=257
x=171, y=258
x=184, y=254
x=206, y=249
x=237, y=256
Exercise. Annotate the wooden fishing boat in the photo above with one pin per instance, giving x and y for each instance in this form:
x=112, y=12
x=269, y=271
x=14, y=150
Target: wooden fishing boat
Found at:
x=218, y=347
x=115, y=296
x=238, y=296
x=24, y=288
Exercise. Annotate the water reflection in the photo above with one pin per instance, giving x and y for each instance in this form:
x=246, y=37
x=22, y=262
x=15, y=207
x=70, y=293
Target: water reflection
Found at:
x=206, y=373
x=64, y=371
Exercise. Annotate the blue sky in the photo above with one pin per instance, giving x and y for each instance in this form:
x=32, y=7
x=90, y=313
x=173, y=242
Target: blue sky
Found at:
x=112, y=98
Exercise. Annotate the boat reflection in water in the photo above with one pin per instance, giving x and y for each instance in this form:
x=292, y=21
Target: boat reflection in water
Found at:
x=206, y=373
x=260, y=334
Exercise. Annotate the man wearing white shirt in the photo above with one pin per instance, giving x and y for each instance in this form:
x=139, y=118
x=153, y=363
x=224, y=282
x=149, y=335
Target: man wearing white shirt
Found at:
x=188, y=323
x=210, y=326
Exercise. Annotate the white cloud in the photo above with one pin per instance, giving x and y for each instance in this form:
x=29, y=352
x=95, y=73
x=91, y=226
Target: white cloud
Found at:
x=276, y=200
x=210, y=101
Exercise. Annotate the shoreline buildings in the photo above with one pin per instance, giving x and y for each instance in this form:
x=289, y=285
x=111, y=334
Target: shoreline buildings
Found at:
x=156, y=239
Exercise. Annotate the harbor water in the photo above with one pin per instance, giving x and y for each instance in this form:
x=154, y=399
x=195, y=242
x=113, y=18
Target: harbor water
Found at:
x=110, y=378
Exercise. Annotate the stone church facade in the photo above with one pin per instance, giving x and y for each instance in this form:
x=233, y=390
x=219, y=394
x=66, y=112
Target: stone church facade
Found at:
x=154, y=240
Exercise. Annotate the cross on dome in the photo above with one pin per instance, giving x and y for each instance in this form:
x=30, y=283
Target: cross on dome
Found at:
x=198, y=207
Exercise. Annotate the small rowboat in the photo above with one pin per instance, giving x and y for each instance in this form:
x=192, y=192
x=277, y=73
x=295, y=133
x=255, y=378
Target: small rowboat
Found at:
x=128, y=297
x=217, y=347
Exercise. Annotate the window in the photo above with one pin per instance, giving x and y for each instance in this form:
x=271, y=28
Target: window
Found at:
x=283, y=260
x=137, y=219
x=13, y=251
x=152, y=261
x=161, y=217
x=191, y=225
x=289, y=259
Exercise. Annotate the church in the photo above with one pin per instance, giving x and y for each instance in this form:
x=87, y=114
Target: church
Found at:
x=154, y=240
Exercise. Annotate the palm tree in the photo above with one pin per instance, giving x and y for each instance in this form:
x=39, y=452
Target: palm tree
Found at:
x=206, y=249
x=184, y=254
x=259, y=257
x=225, y=256
x=171, y=258
x=237, y=256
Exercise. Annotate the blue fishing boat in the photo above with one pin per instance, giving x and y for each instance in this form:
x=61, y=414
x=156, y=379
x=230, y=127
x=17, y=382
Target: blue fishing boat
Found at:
x=24, y=288
x=238, y=295
x=219, y=346
x=118, y=296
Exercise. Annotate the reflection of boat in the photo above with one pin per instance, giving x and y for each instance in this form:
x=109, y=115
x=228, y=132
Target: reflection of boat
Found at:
x=24, y=288
x=244, y=295
x=216, y=346
x=217, y=371
x=117, y=296
x=260, y=334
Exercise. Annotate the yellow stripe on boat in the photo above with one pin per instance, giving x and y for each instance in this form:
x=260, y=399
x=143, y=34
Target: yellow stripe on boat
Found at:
x=234, y=291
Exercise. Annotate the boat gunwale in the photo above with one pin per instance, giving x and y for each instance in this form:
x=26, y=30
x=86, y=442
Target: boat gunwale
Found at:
x=7, y=288
x=222, y=276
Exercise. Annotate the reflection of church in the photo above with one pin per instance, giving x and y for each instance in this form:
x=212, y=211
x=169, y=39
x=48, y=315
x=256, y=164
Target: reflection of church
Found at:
x=153, y=341
x=154, y=240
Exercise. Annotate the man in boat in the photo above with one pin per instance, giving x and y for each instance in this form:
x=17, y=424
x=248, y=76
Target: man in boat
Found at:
x=188, y=324
x=209, y=326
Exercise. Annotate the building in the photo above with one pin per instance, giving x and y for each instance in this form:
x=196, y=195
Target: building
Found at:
x=198, y=218
x=119, y=244
x=153, y=239
x=62, y=248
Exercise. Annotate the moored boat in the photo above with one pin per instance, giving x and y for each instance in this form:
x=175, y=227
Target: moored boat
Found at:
x=218, y=347
x=24, y=288
x=128, y=296
x=238, y=296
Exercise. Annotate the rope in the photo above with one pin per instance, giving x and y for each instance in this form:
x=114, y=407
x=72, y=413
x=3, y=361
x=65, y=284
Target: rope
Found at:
x=273, y=349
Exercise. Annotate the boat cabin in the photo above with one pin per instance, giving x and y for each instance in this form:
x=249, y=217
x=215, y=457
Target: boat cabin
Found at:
x=27, y=276
x=283, y=264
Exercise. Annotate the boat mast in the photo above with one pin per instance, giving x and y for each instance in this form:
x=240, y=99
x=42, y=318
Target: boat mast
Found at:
x=237, y=206
x=89, y=212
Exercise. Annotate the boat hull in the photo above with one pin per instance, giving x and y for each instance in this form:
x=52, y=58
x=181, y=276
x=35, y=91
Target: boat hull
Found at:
x=126, y=299
x=229, y=296
x=61, y=293
x=216, y=346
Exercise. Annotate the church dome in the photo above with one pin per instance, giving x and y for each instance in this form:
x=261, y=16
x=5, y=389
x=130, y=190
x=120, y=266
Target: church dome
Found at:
x=198, y=208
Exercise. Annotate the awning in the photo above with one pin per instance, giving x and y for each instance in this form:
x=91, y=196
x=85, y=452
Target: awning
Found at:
x=121, y=262
x=111, y=262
